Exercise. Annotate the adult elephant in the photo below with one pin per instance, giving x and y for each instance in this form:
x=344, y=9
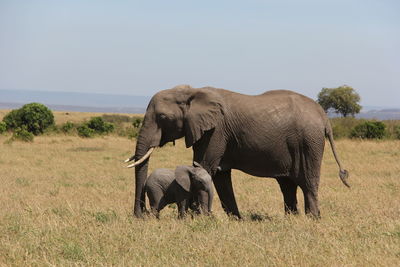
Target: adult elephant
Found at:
x=279, y=134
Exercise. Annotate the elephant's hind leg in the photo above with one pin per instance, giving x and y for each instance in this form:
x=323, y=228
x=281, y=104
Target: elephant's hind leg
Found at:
x=159, y=206
x=310, y=174
x=311, y=203
x=155, y=199
x=223, y=184
x=289, y=190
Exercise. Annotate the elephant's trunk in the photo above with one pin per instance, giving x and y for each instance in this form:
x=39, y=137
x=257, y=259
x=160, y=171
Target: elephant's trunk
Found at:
x=140, y=178
x=141, y=174
x=206, y=197
x=149, y=137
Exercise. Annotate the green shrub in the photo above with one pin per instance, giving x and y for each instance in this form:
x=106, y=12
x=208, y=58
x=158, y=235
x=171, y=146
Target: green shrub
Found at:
x=397, y=132
x=369, y=130
x=67, y=127
x=34, y=117
x=21, y=134
x=52, y=129
x=3, y=127
x=340, y=131
x=85, y=131
x=100, y=126
x=12, y=119
x=132, y=132
x=137, y=122
x=96, y=125
x=392, y=128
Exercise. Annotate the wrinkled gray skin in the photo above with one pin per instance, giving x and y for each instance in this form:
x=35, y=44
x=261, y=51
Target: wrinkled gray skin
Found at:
x=279, y=134
x=188, y=186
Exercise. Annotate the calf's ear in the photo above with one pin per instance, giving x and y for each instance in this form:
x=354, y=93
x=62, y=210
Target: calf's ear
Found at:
x=182, y=177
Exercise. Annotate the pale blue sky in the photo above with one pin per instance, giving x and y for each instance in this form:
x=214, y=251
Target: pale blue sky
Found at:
x=141, y=47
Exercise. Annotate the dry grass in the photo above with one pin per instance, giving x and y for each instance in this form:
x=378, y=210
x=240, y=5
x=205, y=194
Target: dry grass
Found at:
x=66, y=200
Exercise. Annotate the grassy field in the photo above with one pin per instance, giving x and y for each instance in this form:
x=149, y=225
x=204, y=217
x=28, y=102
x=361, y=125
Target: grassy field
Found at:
x=67, y=201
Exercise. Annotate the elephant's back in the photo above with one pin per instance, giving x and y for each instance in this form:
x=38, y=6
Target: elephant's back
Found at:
x=273, y=102
x=304, y=114
x=299, y=106
x=284, y=109
x=278, y=116
x=160, y=178
x=287, y=96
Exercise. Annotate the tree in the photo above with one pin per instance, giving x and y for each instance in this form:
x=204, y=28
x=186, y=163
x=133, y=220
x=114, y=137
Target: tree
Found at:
x=343, y=99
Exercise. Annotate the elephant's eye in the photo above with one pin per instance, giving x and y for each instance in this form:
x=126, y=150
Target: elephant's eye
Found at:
x=163, y=117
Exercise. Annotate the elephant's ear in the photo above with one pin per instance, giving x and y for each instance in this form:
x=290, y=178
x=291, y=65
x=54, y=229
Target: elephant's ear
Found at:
x=182, y=177
x=201, y=176
x=205, y=111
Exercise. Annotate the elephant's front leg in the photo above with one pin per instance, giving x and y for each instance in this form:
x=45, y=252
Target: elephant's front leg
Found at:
x=203, y=199
x=183, y=206
x=223, y=184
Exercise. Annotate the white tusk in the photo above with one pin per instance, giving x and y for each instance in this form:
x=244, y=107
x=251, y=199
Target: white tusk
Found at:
x=130, y=159
x=142, y=159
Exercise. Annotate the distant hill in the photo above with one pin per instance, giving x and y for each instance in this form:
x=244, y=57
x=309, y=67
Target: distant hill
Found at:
x=375, y=113
x=71, y=101
x=380, y=114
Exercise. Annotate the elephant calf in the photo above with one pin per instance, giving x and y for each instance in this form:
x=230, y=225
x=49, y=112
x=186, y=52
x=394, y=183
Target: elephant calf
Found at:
x=187, y=186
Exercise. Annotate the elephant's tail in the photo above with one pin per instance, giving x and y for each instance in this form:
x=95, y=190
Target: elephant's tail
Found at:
x=343, y=174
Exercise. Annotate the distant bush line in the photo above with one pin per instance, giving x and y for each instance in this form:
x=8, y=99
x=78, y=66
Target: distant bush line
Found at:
x=365, y=129
x=121, y=125
x=36, y=119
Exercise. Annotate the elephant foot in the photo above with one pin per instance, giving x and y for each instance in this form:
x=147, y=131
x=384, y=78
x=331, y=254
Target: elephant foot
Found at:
x=295, y=213
x=138, y=215
x=181, y=216
x=145, y=212
x=236, y=217
x=291, y=210
x=313, y=216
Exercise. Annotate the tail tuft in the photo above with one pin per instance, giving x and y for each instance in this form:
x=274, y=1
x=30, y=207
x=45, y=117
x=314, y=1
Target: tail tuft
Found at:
x=344, y=174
